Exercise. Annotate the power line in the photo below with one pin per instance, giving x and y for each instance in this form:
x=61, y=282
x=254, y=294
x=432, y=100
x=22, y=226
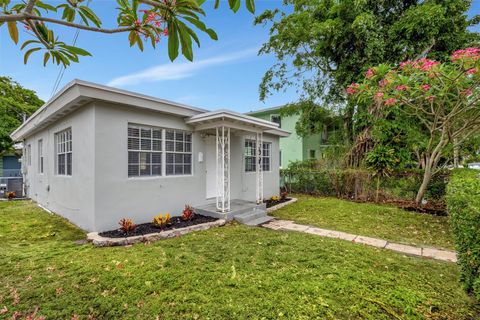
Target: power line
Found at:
x=62, y=68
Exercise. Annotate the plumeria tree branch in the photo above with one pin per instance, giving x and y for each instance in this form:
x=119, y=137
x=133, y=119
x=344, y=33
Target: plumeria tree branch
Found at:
x=145, y=21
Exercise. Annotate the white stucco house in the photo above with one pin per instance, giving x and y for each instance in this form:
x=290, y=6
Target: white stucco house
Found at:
x=96, y=154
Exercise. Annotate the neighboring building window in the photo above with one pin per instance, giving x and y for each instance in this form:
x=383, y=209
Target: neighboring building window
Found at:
x=144, y=151
x=277, y=119
x=250, y=155
x=29, y=154
x=63, y=143
x=178, y=152
x=40, y=156
x=313, y=154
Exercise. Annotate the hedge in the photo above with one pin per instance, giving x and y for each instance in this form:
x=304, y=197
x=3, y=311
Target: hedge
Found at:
x=463, y=205
x=362, y=185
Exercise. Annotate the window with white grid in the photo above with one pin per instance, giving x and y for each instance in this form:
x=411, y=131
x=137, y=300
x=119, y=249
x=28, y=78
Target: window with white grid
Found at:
x=178, y=152
x=64, y=154
x=144, y=151
x=40, y=156
x=266, y=150
x=250, y=155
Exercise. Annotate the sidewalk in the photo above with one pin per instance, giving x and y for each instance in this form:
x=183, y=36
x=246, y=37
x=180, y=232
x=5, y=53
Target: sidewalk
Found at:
x=432, y=253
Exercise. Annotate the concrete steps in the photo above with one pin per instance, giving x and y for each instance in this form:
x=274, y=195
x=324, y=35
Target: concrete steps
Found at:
x=253, y=217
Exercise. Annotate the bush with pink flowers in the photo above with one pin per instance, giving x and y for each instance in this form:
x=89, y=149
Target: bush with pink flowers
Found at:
x=444, y=98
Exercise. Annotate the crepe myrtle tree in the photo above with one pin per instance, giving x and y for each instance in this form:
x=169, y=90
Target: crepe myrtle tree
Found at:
x=142, y=20
x=443, y=98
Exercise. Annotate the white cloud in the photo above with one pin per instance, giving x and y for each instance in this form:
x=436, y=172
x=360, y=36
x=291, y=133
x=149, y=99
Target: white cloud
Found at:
x=181, y=70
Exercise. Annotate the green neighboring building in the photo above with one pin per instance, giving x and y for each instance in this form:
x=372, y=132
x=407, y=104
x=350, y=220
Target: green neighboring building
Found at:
x=293, y=147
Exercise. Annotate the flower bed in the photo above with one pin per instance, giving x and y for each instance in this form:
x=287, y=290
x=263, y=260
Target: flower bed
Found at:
x=158, y=234
x=148, y=228
x=270, y=203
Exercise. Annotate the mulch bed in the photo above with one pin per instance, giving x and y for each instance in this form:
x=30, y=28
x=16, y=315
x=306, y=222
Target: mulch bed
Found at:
x=271, y=203
x=147, y=228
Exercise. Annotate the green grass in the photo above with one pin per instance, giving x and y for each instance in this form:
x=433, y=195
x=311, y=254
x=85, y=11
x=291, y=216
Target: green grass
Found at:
x=380, y=221
x=232, y=272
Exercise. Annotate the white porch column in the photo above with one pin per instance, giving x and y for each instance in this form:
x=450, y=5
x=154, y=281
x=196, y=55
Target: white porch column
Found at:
x=223, y=168
x=259, y=167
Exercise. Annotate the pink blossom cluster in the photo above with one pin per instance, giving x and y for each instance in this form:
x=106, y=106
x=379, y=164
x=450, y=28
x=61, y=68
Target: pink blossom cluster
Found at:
x=390, y=101
x=153, y=19
x=352, y=89
x=370, y=73
x=470, y=53
x=401, y=87
x=423, y=64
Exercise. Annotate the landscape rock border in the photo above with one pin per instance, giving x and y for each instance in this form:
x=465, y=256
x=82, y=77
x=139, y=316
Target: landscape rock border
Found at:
x=100, y=241
x=281, y=205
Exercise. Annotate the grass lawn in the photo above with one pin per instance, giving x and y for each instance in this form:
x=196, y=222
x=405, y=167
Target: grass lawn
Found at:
x=232, y=272
x=380, y=221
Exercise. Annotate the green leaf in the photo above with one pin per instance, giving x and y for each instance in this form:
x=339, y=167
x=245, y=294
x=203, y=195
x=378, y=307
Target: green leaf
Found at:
x=200, y=2
x=140, y=43
x=173, y=42
x=190, y=32
x=212, y=34
x=132, y=38
x=217, y=4
x=234, y=5
x=250, y=5
x=91, y=15
x=26, y=43
x=77, y=50
x=186, y=41
x=46, y=56
x=28, y=53
x=13, y=30
x=45, y=6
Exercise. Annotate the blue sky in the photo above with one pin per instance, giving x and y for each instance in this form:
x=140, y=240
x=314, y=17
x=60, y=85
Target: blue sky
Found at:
x=225, y=73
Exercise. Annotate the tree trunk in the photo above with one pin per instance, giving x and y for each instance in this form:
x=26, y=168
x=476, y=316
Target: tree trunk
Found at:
x=427, y=176
x=456, y=156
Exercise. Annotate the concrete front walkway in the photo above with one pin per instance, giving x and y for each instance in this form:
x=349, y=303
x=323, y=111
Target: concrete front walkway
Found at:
x=432, y=253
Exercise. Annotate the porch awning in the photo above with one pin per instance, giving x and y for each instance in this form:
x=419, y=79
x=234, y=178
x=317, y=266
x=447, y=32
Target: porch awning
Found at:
x=236, y=121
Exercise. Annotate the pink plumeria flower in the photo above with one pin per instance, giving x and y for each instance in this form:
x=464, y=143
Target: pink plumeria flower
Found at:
x=383, y=82
x=390, y=101
x=472, y=71
x=379, y=95
x=426, y=87
x=351, y=89
x=370, y=73
x=401, y=87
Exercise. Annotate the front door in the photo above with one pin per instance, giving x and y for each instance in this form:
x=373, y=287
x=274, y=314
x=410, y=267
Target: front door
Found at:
x=211, y=167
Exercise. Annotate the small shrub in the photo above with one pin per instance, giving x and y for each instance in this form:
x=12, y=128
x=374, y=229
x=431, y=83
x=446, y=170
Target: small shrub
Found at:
x=161, y=220
x=11, y=195
x=283, y=195
x=274, y=198
x=187, y=213
x=127, y=225
x=463, y=205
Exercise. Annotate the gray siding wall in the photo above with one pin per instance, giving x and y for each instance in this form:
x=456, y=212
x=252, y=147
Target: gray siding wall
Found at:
x=70, y=196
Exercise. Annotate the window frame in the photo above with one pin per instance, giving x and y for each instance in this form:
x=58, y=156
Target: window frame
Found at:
x=141, y=150
x=185, y=142
x=67, y=145
x=269, y=156
x=163, y=151
x=279, y=119
x=41, y=158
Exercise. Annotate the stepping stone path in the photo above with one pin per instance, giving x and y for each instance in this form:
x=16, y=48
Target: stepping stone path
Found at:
x=432, y=253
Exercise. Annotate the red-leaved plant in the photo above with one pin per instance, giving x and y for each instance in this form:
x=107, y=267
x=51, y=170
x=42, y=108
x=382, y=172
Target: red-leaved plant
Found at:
x=11, y=195
x=127, y=225
x=187, y=213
